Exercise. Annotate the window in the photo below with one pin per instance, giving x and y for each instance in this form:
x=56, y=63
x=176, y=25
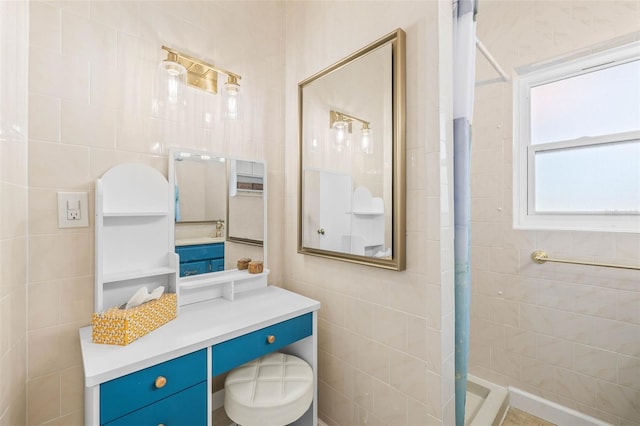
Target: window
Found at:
x=577, y=143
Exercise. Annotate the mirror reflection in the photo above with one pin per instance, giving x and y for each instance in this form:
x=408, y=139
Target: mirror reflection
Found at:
x=200, y=189
x=219, y=210
x=352, y=157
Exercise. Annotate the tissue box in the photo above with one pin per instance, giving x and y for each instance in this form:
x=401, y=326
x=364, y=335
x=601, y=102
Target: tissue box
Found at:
x=123, y=326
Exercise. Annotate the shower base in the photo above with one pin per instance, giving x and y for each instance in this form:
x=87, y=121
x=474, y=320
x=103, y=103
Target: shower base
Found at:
x=487, y=403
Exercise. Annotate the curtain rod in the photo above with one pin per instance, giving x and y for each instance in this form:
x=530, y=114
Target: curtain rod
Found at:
x=541, y=257
x=503, y=75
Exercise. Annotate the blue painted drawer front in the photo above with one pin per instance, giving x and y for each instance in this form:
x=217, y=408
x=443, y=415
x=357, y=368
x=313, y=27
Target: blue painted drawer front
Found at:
x=201, y=267
x=128, y=393
x=217, y=265
x=201, y=259
x=186, y=408
x=194, y=268
x=200, y=252
x=232, y=353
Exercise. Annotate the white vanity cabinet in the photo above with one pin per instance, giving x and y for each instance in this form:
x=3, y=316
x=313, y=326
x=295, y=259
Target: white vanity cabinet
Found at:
x=206, y=339
x=225, y=319
x=133, y=243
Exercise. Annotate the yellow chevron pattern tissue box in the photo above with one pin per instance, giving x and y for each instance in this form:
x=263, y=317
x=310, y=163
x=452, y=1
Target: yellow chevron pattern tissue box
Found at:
x=123, y=326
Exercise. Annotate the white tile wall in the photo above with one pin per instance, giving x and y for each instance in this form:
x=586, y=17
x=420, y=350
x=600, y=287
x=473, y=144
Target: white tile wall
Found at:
x=392, y=332
x=567, y=333
x=14, y=50
x=92, y=66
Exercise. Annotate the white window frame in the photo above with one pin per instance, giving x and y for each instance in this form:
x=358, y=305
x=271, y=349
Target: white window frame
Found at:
x=523, y=152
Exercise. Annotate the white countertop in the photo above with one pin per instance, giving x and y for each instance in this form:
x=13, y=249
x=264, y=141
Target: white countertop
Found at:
x=197, y=326
x=198, y=240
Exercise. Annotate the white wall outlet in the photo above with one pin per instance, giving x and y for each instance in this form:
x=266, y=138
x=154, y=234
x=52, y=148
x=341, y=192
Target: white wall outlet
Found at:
x=73, y=209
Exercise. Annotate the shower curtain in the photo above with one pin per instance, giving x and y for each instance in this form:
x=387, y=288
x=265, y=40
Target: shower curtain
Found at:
x=464, y=59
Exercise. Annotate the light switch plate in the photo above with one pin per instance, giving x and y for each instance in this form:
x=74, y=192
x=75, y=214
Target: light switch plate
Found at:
x=66, y=199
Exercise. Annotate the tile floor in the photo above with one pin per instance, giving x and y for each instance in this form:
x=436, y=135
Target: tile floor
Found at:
x=517, y=417
x=514, y=417
x=220, y=418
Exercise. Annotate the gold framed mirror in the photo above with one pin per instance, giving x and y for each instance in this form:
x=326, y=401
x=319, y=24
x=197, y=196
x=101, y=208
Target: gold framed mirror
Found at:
x=351, y=200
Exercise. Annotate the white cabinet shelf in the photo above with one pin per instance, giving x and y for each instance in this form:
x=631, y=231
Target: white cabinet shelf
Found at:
x=135, y=274
x=197, y=288
x=246, y=177
x=134, y=214
x=134, y=246
x=367, y=213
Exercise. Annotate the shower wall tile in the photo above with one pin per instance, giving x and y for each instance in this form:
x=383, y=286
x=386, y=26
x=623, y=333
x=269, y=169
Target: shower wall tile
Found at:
x=576, y=386
x=629, y=372
x=617, y=336
x=596, y=362
x=521, y=341
x=580, y=322
x=538, y=373
x=555, y=351
x=618, y=400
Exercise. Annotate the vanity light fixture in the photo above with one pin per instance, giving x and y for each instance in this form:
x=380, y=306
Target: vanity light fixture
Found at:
x=201, y=75
x=172, y=78
x=341, y=123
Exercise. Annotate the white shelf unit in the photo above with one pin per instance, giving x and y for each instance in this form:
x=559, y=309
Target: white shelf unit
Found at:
x=133, y=235
x=245, y=175
x=198, y=288
x=367, y=222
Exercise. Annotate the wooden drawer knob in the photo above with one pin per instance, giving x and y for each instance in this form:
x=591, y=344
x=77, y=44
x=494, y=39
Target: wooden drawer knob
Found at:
x=160, y=382
x=271, y=338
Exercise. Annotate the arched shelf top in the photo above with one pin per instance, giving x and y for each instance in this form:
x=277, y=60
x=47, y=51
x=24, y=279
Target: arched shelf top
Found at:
x=150, y=194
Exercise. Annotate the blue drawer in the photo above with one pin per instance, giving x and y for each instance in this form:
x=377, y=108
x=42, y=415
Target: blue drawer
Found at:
x=194, y=268
x=200, y=252
x=232, y=353
x=188, y=408
x=216, y=265
x=128, y=393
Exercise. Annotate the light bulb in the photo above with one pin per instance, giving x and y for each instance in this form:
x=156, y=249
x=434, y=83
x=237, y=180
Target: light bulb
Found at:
x=232, y=88
x=172, y=83
x=366, y=142
x=232, y=107
x=340, y=135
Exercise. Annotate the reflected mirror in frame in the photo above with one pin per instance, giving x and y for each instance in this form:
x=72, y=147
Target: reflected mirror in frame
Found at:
x=220, y=210
x=352, y=171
